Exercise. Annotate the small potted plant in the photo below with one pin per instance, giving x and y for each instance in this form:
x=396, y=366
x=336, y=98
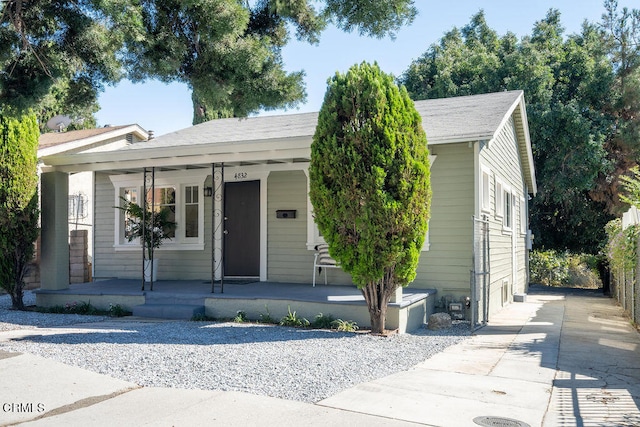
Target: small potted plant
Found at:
x=151, y=227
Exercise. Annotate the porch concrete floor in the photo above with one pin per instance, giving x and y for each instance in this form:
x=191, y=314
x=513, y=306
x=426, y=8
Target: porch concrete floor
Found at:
x=234, y=289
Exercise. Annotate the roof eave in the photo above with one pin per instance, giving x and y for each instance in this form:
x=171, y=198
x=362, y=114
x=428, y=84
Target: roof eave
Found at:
x=259, y=151
x=459, y=139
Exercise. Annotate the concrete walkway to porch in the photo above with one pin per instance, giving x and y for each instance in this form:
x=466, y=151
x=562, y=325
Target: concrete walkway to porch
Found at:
x=562, y=358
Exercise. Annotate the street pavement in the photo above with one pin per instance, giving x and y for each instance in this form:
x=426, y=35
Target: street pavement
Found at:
x=561, y=358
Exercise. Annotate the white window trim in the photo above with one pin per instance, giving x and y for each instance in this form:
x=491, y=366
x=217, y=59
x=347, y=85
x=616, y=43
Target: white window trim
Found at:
x=177, y=179
x=523, y=216
x=507, y=193
x=77, y=204
x=313, y=234
x=485, y=202
x=182, y=208
x=427, y=244
x=499, y=197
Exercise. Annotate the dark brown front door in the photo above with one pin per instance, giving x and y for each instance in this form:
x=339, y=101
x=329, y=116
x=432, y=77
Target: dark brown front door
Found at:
x=242, y=227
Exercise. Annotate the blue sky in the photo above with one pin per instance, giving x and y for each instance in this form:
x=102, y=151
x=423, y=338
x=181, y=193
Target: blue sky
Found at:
x=167, y=108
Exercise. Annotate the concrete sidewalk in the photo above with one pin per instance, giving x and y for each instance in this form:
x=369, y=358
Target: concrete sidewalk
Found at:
x=563, y=358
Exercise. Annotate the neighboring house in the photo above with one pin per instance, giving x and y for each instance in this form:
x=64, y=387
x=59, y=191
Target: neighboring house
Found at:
x=482, y=174
x=81, y=191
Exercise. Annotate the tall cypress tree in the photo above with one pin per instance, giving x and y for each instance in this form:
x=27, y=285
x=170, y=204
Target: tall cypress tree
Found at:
x=18, y=201
x=370, y=183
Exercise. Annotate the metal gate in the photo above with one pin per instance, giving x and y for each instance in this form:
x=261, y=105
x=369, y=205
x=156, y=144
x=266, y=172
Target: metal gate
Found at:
x=480, y=275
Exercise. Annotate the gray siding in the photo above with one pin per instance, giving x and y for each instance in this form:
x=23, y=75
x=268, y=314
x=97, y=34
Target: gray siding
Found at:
x=288, y=259
x=447, y=264
x=503, y=158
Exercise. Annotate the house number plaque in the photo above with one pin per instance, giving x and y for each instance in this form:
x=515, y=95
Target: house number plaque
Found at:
x=240, y=175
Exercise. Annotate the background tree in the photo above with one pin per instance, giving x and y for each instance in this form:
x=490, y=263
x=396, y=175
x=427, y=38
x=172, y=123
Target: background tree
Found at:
x=60, y=51
x=568, y=84
x=227, y=51
x=369, y=183
x=621, y=32
x=18, y=201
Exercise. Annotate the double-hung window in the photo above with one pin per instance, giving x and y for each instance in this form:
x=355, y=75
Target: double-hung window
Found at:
x=164, y=199
x=129, y=194
x=77, y=208
x=191, y=211
x=505, y=205
x=507, y=219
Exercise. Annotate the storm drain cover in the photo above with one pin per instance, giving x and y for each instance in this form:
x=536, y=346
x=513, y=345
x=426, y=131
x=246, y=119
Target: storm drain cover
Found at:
x=488, y=421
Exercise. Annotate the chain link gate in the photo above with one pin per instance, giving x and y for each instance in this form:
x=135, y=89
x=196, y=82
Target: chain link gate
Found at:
x=480, y=275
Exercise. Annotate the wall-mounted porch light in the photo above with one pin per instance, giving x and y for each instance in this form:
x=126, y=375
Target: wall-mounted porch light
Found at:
x=208, y=191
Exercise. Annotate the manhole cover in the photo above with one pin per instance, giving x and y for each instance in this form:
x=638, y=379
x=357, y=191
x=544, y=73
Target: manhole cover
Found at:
x=499, y=422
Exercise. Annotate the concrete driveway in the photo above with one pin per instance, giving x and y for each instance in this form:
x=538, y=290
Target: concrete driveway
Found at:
x=562, y=358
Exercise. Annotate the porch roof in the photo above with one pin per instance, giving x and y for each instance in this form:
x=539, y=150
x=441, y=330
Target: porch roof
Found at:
x=287, y=138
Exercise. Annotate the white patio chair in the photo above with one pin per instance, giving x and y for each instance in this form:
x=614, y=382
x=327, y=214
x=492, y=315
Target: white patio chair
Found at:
x=321, y=260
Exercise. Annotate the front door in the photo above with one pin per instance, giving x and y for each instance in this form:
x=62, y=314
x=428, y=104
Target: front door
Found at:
x=242, y=229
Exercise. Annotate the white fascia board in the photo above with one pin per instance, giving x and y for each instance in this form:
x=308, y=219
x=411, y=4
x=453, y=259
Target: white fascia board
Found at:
x=519, y=104
x=525, y=125
x=508, y=114
x=460, y=139
x=253, y=156
x=228, y=151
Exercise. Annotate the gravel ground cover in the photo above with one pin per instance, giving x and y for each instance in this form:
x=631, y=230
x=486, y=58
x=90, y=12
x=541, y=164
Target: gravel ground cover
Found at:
x=290, y=363
x=14, y=319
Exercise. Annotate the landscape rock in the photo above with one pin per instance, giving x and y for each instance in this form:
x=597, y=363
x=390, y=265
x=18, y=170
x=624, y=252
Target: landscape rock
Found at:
x=439, y=321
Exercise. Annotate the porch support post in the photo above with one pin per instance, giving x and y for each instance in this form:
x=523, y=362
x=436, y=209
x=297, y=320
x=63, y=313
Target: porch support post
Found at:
x=213, y=227
x=224, y=230
x=54, y=202
x=144, y=220
x=217, y=225
x=153, y=222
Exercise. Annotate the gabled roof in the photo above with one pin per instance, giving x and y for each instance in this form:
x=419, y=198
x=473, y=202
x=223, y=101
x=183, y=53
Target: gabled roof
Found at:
x=234, y=130
x=466, y=118
x=75, y=140
x=287, y=138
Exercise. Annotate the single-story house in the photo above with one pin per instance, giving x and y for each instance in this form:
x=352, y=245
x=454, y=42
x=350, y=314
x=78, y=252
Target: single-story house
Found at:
x=240, y=187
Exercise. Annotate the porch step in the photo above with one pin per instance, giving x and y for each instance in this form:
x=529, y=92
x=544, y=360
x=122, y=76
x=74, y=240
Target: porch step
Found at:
x=172, y=299
x=168, y=311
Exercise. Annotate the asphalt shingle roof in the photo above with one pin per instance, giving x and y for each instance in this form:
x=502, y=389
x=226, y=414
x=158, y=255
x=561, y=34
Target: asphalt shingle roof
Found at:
x=288, y=137
x=465, y=118
x=458, y=118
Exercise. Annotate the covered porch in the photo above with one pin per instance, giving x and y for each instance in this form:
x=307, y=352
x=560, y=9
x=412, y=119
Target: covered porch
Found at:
x=253, y=298
x=220, y=177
